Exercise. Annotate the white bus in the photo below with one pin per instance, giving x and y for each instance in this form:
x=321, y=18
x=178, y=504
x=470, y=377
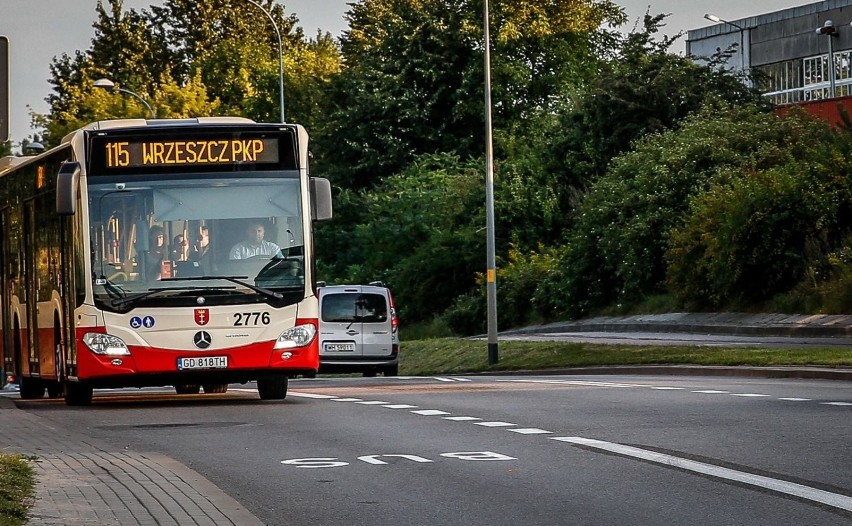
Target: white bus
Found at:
x=161, y=252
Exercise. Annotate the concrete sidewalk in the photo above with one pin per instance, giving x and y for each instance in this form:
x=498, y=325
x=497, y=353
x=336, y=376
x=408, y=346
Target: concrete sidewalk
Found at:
x=83, y=481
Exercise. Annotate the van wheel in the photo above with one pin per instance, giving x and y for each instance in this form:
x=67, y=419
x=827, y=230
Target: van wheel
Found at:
x=215, y=388
x=187, y=388
x=77, y=393
x=392, y=370
x=272, y=388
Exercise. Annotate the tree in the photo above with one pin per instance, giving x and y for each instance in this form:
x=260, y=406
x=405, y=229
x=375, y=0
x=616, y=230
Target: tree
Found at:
x=189, y=59
x=413, y=81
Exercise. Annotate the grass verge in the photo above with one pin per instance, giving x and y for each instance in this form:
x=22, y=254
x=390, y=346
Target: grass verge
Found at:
x=17, y=484
x=457, y=355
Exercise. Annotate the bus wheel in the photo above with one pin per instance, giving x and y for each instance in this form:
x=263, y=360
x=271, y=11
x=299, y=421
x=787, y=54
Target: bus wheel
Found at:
x=31, y=388
x=77, y=393
x=187, y=388
x=272, y=388
x=55, y=390
x=215, y=388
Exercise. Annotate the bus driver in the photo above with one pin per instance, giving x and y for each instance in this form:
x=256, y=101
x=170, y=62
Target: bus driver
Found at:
x=254, y=244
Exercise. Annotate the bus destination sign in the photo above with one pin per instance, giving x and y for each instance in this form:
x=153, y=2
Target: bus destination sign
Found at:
x=194, y=152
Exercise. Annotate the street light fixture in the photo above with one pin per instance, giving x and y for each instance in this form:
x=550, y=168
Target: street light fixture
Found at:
x=280, y=56
x=109, y=85
x=491, y=270
x=830, y=31
x=716, y=19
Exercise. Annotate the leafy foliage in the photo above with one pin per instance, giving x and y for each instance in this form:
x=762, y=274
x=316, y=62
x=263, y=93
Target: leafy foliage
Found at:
x=413, y=81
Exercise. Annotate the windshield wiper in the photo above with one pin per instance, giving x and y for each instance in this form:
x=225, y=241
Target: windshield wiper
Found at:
x=112, y=289
x=150, y=292
x=233, y=279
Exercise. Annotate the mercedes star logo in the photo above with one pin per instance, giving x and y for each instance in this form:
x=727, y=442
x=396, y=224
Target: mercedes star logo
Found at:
x=202, y=339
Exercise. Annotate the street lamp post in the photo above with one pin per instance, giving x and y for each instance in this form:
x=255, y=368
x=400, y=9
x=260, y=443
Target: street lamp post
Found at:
x=491, y=270
x=830, y=31
x=109, y=85
x=714, y=18
x=280, y=56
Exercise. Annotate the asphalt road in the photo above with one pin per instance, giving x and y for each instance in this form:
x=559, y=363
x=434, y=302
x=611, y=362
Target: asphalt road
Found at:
x=597, y=450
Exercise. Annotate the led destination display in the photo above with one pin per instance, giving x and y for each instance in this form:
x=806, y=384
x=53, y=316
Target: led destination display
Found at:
x=137, y=154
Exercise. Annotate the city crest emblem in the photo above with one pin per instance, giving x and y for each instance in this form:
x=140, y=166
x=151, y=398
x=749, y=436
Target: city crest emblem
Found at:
x=202, y=316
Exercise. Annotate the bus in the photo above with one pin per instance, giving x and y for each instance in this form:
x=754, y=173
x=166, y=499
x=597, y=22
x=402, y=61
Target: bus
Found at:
x=175, y=252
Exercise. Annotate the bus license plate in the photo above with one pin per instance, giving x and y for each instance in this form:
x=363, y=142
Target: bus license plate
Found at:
x=340, y=347
x=203, y=362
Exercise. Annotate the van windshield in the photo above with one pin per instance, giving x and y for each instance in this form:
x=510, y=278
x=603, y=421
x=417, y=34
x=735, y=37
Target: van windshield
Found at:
x=354, y=307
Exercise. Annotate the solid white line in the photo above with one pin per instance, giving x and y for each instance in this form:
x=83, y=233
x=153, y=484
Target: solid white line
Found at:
x=531, y=431
x=494, y=424
x=461, y=418
x=399, y=406
x=835, y=500
x=430, y=412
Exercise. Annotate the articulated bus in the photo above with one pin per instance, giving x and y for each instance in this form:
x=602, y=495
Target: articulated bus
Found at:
x=161, y=252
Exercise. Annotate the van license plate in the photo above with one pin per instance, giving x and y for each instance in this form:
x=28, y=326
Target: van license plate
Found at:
x=203, y=362
x=340, y=347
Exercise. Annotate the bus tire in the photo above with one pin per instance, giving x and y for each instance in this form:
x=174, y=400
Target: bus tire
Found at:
x=215, y=388
x=272, y=387
x=31, y=388
x=77, y=393
x=187, y=388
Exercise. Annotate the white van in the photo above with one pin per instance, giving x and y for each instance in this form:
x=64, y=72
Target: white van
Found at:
x=358, y=330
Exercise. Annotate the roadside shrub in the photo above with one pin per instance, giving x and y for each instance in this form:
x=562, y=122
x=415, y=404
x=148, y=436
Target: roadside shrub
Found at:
x=768, y=230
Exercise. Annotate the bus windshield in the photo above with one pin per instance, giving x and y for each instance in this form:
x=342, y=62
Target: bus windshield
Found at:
x=161, y=241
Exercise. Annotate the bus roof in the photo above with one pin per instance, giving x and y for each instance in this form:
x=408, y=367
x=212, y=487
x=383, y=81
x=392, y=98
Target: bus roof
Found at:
x=144, y=123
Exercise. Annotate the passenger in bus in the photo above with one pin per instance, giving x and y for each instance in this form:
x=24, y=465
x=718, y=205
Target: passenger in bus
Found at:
x=201, y=252
x=156, y=252
x=180, y=248
x=254, y=244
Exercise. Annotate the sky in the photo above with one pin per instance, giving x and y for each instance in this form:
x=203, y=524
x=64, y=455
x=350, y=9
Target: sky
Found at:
x=39, y=30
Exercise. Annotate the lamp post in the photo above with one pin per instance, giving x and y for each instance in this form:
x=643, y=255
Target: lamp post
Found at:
x=280, y=56
x=716, y=19
x=109, y=85
x=491, y=270
x=830, y=31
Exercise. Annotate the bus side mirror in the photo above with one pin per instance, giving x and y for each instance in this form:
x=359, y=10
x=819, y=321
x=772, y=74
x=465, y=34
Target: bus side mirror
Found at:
x=67, y=182
x=320, y=199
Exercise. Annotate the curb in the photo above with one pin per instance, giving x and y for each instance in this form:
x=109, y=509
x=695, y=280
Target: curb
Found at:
x=809, y=373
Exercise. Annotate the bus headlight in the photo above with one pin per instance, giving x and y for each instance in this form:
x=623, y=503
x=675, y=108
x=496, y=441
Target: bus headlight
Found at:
x=100, y=343
x=298, y=336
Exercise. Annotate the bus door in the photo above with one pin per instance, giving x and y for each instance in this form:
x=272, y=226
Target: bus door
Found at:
x=31, y=288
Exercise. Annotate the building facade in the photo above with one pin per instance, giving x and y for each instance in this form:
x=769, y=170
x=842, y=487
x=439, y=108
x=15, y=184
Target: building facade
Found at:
x=789, y=52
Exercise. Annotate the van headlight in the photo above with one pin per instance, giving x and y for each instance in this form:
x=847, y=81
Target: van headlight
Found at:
x=298, y=336
x=100, y=343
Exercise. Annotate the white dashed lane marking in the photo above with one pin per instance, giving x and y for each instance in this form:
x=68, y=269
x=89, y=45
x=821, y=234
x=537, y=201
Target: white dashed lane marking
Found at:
x=835, y=500
x=400, y=406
